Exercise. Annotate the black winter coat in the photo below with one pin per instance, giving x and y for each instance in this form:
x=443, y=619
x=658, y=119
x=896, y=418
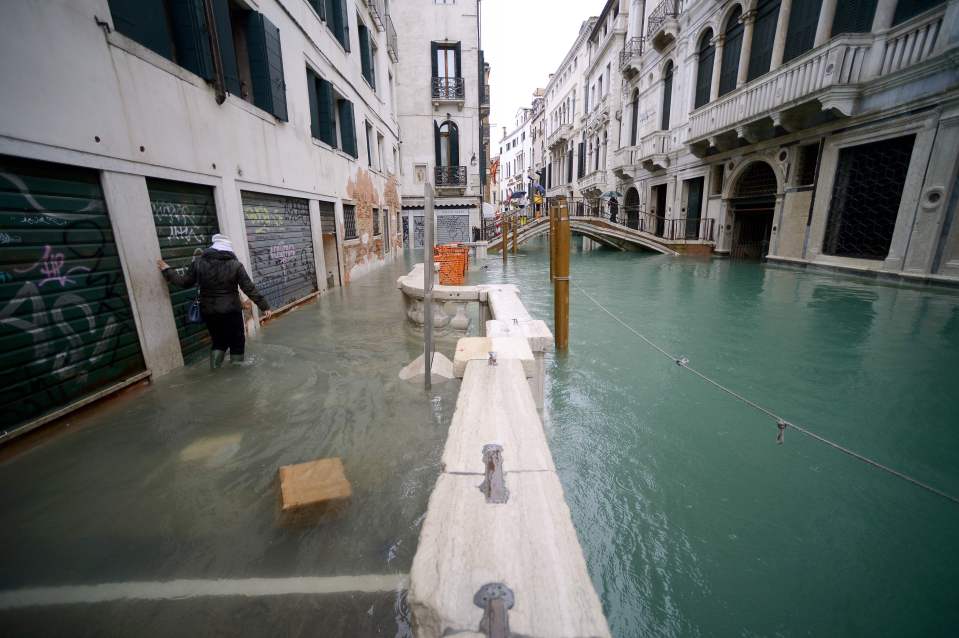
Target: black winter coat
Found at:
x=218, y=273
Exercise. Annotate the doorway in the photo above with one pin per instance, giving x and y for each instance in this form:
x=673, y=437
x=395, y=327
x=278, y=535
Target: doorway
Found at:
x=632, y=208
x=659, y=210
x=753, y=204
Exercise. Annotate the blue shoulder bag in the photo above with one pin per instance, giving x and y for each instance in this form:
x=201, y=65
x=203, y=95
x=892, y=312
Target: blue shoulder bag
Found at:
x=193, y=314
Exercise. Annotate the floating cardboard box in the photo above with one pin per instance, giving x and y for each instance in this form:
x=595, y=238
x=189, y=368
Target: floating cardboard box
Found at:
x=310, y=491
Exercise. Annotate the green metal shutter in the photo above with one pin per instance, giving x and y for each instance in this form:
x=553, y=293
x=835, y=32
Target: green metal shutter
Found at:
x=281, y=247
x=66, y=326
x=144, y=21
x=185, y=220
x=224, y=34
x=459, y=62
x=347, y=127
x=266, y=65
x=704, y=76
x=729, y=67
x=801, y=35
x=344, y=25
x=314, y=104
x=320, y=6
x=854, y=16
x=365, y=66
x=327, y=105
x=190, y=37
x=434, y=48
x=436, y=145
x=454, y=144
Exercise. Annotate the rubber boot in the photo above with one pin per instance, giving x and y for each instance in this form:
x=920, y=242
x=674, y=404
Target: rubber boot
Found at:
x=236, y=359
x=216, y=358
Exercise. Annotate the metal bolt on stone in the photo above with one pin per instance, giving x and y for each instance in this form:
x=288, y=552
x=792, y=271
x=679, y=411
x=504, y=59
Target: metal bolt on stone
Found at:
x=496, y=599
x=494, y=483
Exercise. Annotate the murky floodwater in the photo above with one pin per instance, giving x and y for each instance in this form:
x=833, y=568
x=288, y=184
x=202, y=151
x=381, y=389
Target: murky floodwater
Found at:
x=179, y=481
x=694, y=522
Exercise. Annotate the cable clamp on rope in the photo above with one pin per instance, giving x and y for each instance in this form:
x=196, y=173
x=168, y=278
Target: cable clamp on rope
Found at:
x=682, y=361
x=781, y=436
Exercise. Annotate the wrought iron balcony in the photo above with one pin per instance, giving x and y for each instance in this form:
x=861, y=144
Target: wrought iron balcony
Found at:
x=391, y=40
x=662, y=28
x=449, y=89
x=630, y=55
x=450, y=176
x=377, y=12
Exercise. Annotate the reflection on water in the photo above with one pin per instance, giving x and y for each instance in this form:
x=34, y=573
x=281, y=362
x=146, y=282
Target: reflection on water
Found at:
x=179, y=481
x=694, y=522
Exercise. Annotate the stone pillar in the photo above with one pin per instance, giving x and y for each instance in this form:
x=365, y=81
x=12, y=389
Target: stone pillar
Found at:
x=782, y=31
x=719, y=42
x=824, y=28
x=885, y=11
x=749, y=23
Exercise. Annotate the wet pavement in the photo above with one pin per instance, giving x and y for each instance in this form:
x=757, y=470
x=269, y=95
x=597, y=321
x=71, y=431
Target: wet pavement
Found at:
x=179, y=481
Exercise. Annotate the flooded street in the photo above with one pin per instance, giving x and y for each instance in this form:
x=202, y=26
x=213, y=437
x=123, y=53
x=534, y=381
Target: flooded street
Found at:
x=693, y=520
x=179, y=481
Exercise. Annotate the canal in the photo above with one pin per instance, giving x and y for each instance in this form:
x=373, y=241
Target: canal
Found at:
x=693, y=520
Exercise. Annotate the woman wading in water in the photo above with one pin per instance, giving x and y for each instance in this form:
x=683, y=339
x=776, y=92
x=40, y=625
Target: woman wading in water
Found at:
x=218, y=273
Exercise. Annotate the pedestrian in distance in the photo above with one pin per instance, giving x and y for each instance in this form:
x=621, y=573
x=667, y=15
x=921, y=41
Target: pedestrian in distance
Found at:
x=217, y=273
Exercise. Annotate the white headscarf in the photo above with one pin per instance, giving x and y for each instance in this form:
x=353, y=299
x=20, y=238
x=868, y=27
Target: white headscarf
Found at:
x=222, y=242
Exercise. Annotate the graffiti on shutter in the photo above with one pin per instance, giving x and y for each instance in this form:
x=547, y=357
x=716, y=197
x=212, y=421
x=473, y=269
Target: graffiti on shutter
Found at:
x=452, y=228
x=66, y=327
x=281, y=247
x=418, y=237
x=185, y=220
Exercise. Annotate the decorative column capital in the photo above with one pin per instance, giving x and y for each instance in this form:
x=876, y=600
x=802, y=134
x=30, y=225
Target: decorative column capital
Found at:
x=748, y=18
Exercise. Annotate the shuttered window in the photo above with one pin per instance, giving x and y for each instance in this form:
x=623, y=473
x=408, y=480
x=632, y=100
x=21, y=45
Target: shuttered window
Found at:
x=347, y=127
x=667, y=96
x=854, y=16
x=764, y=36
x=376, y=221
x=704, y=70
x=803, y=20
x=176, y=29
x=906, y=9
x=731, y=52
x=366, y=55
x=581, y=169
x=338, y=21
x=266, y=66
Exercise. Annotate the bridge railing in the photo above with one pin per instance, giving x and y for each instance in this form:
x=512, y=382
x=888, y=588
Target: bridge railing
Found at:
x=669, y=228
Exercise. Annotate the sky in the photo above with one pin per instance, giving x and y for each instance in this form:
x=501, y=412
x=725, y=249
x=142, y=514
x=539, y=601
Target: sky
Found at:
x=524, y=41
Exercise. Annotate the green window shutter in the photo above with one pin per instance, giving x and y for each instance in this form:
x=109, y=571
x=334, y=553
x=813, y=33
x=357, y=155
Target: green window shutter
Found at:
x=854, y=16
x=433, y=50
x=224, y=34
x=324, y=94
x=459, y=63
x=801, y=34
x=266, y=65
x=436, y=144
x=365, y=66
x=320, y=6
x=311, y=80
x=454, y=145
x=347, y=127
x=190, y=37
x=144, y=21
x=344, y=26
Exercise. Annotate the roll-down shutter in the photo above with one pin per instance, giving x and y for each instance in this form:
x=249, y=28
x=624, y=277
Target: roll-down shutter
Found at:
x=66, y=326
x=281, y=247
x=185, y=220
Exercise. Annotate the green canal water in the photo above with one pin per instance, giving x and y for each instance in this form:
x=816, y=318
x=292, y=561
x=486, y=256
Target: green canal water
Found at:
x=693, y=520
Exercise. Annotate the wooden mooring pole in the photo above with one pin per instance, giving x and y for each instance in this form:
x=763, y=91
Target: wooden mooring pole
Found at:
x=561, y=278
x=551, y=211
x=515, y=225
x=504, y=237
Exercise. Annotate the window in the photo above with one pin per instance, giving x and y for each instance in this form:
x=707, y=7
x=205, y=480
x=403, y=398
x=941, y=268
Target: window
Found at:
x=806, y=161
x=609, y=76
x=764, y=34
x=667, y=95
x=380, y=159
x=349, y=221
x=801, y=34
x=906, y=9
x=866, y=197
x=249, y=44
x=704, y=69
x=446, y=60
x=396, y=160
x=322, y=109
x=729, y=69
x=369, y=145
x=376, y=222
x=347, y=127
x=854, y=16
x=447, y=144
x=716, y=179
x=338, y=21
x=367, y=53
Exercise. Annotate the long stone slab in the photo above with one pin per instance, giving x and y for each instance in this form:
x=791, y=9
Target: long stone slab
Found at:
x=535, y=331
x=478, y=349
x=495, y=406
x=528, y=544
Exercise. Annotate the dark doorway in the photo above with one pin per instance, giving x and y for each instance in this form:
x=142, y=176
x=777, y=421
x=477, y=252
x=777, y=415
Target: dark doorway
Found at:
x=613, y=210
x=694, y=207
x=632, y=208
x=659, y=212
x=752, y=206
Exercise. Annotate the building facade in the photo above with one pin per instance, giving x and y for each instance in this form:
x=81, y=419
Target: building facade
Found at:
x=515, y=153
x=133, y=131
x=440, y=97
x=817, y=133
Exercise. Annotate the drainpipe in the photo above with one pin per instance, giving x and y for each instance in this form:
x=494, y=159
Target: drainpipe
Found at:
x=219, y=81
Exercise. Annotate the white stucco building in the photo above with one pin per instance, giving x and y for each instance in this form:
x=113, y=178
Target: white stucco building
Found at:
x=440, y=99
x=516, y=151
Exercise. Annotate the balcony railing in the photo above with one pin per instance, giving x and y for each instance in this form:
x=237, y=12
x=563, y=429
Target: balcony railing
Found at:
x=664, y=10
x=391, y=48
x=595, y=179
x=559, y=136
x=450, y=176
x=632, y=50
x=377, y=12
x=449, y=89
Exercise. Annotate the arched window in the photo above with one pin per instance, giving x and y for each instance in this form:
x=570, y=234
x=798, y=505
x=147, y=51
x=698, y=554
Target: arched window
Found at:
x=801, y=34
x=667, y=95
x=634, y=119
x=764, y=36
x=854, y=16
x=447, y=144
x=732, y=49
x=704, y=70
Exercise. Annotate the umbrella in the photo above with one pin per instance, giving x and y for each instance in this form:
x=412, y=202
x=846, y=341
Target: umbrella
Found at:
x=539, y=189
x=518, y=194
x=611, y=194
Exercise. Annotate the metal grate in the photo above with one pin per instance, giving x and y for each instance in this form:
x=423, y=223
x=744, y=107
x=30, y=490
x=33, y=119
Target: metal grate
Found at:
x=376, y=221
x=865, y=198
x=349, y=221
x=327, y=218
x=449, y=89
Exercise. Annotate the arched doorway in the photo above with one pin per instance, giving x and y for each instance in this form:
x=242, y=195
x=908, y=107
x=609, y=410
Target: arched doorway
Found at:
x=632, y=208
x=753, y=203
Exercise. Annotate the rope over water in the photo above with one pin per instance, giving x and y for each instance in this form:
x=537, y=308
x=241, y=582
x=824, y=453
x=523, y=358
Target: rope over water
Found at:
x=781, y=423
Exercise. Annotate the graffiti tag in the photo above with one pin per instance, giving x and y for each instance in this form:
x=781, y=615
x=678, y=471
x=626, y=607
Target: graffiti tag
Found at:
x=51, y=265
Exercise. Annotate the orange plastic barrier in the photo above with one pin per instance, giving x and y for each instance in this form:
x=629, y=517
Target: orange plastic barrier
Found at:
x=454, y=261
